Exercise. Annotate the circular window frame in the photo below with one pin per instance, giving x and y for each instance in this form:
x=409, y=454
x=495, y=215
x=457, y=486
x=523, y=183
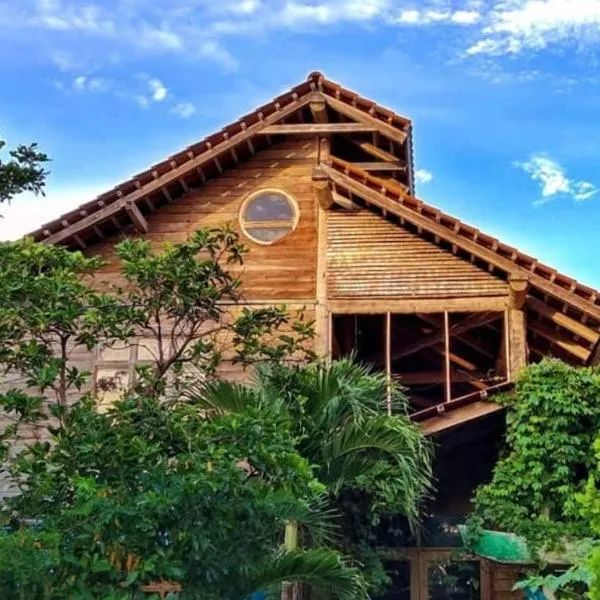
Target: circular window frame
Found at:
x=244, y=224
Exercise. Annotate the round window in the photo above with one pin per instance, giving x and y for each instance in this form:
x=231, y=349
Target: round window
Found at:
x=268, y=216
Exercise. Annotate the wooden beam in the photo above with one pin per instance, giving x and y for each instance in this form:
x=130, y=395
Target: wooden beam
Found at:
x=448, y=386
x=375, y=151
x=572, y=347
x=435, y=377
x=389, y=131
x=518, y=284
x=315, y=128
x=137, y=217
x=373, y=306
x=388, y=360
x=559, y=318
x=517, y=328
x=464, y=414
x=174, y=174
x=318, y=108
x=322, y=188
x=380, y=165
x=469, y=322
x=464, y=337
x=322, y=317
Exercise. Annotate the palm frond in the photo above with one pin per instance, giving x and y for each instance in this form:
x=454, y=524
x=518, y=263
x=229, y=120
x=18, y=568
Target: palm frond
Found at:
x=318, y=519
x=221, y=396
x=322, y=570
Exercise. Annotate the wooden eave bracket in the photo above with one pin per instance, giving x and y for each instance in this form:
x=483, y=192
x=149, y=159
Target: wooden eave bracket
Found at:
x=136, y=217
x=322, y=187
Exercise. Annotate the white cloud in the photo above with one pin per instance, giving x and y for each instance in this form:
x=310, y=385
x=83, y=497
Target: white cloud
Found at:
x=84, y=83
x=27, y=212
x=409, y=16
x=432, y=16
x=521, y=25
x=553, y=180
x=423, y=176
x=158, y=89
x=184, y=110
x=466, y=17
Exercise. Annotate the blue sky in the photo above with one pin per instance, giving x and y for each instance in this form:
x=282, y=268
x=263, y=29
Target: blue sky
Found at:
x=504, y=96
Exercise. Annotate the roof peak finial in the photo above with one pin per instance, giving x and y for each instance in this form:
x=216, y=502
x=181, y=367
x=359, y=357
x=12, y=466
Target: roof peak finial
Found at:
x=315, y=76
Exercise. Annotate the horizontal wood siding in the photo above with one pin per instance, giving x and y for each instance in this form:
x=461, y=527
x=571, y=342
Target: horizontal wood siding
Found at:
x=284, y=270
x=369, y=256
x=503, y=578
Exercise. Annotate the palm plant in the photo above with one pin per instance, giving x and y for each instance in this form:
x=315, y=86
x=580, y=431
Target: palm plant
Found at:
x=340, y=426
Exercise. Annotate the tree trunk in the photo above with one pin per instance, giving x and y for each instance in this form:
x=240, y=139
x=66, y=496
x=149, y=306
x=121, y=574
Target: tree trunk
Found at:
x=289, y=591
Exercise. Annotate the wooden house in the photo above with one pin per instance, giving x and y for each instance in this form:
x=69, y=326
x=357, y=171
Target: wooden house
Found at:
x=320, y=182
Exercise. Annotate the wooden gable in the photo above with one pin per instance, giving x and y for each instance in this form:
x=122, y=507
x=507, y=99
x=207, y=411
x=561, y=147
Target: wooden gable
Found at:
x=279, y=272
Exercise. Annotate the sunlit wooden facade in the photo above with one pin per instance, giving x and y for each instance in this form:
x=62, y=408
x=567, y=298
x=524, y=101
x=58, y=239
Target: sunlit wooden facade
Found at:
x=450, y=312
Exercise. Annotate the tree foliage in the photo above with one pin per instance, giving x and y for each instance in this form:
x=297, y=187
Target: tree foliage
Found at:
x=179, y=296
x=552, y=421
x=151, y=489
x=24, y=171
x=149, y=492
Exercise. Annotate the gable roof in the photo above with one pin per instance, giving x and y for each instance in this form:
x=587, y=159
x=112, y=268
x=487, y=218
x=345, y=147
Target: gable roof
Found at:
x=175, y=169
x=567, y=313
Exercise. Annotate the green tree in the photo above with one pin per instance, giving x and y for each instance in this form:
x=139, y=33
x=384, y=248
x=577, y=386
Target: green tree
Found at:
x=24, y=171
x=142, y=477
x=552, y=421
x=339, y=426
x=151, y=491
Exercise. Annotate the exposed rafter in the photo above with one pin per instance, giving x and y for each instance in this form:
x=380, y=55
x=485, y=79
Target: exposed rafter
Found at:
x=381, y=165
x=388, y=130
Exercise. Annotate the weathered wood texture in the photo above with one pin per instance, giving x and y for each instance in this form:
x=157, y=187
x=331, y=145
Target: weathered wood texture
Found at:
x=369, y=256
x=503, y=578
x=284, y=270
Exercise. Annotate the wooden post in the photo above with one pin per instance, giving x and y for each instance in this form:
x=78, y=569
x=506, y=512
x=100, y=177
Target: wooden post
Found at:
x=322, y=316
x=517, y=327
x=447, y=356
x=388, y=360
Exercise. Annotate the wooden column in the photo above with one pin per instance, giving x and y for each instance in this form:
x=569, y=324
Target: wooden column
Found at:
x=447, y=357
x=322, y=316
x=517, y=327
x=388, y=360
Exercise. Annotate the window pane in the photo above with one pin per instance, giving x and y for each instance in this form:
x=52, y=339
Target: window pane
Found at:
x=268, y=234
x=399, y=573
x=110, y=384
x=269, y=207
x=458, y=580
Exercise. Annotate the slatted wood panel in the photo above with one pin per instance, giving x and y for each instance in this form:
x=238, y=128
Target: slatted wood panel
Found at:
x=284, y=270
x=369, y=256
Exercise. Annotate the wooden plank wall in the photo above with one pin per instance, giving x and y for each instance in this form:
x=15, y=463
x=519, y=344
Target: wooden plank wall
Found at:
x=503, y=578
x=369, y=256
x=285, y=270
